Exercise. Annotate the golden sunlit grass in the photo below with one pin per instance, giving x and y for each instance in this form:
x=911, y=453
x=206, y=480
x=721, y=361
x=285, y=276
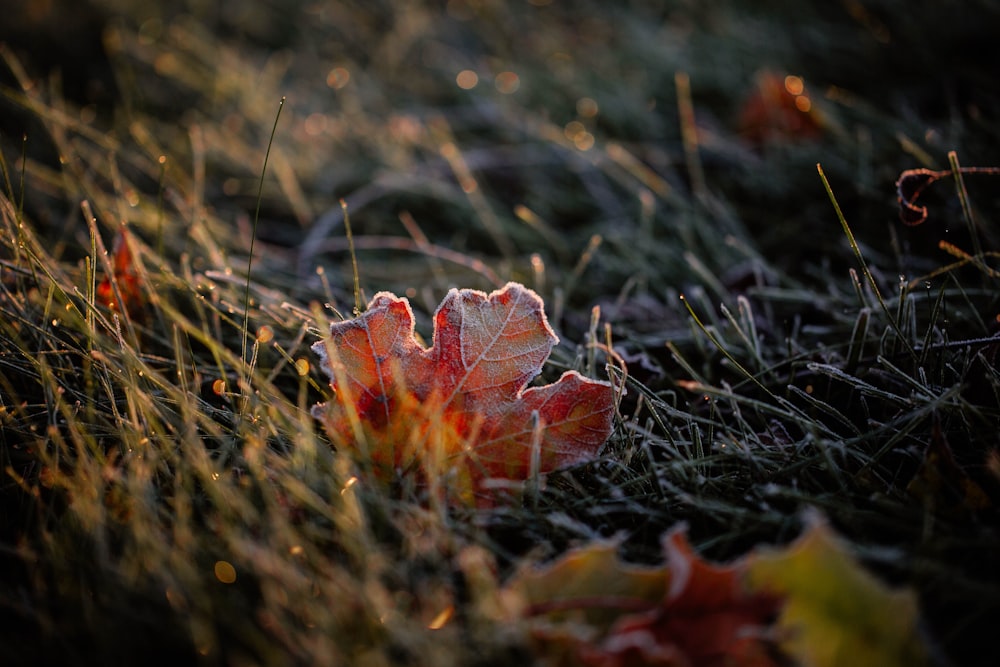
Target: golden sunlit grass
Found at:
x=166, y=495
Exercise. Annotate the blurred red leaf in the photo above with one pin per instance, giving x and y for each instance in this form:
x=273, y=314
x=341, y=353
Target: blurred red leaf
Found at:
x=459, y=408
x=778, y=109
x=125, y=276
x=706, y=619
x=689, y=613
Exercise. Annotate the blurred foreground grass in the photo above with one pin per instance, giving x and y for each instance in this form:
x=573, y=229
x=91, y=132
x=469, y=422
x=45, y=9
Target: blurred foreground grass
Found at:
x=164, y=497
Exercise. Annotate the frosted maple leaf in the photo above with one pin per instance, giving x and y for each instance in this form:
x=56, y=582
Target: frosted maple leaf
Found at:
x=461, y=406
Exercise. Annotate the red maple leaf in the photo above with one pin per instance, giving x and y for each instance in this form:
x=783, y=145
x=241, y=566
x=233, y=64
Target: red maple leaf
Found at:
x=125, y=276
x=460, y=407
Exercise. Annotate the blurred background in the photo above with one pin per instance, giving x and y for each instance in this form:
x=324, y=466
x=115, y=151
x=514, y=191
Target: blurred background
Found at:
x=520, y=130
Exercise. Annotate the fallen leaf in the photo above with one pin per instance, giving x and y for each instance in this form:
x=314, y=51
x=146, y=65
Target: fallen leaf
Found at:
x=778, y=109
x=706, y=619
x=125, y=277
x=808, y=603
x=835, y=612
x=459, y=410
x=590, y=608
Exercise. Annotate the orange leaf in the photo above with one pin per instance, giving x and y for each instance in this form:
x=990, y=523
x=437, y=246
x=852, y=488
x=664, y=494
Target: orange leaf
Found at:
x=460, y=407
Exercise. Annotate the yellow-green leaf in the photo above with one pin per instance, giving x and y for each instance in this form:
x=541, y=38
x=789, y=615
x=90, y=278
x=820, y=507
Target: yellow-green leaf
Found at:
x=835, y=612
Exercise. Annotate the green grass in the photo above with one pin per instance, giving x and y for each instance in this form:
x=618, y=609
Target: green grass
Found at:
x=813, y=360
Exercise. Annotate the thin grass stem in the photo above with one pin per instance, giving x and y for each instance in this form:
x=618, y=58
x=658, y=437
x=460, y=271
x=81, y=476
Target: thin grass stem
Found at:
x=861, y=260
x=245, y=367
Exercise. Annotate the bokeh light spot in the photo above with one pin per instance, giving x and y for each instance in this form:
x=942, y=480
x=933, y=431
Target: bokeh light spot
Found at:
x=225, y=572
x=573, y=129
x=467, y=79
x=315, y=124
x=584, y=141
x=338, y=78
x=794, y=85
x=507, y=82
x=586, y=107
x=576, y=132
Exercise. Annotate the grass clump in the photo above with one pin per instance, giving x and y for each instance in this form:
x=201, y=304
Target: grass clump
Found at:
x=165, y=495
